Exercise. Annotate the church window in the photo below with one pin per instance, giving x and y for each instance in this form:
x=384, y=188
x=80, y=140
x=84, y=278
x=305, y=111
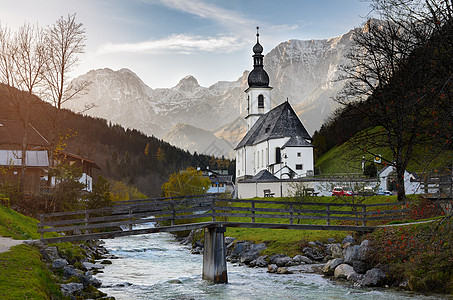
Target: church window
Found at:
x=257, y=159
x=298, y=154
x=262, y=158
x=260, y=101
x=278, y=155
x=299, y=167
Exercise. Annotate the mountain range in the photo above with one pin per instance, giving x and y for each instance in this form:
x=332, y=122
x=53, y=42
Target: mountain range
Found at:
x=210, y=120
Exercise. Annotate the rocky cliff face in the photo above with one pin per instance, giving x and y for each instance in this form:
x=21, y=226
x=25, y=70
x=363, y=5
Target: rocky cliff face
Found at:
x=301, y=71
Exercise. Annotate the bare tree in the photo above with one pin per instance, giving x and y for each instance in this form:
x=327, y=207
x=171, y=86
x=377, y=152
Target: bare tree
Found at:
x=22, y=63
x=65, y=40
x=399, y=80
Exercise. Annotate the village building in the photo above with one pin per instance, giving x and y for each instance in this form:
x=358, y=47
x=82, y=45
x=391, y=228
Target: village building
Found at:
x=276, y=140
x=86, y=165
x=36, y=159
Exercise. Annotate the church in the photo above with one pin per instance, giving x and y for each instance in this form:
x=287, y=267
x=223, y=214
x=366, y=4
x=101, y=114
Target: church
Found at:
x=276, y=144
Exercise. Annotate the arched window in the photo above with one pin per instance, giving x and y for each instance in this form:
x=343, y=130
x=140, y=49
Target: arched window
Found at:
x=278, y=155
x=260, y=101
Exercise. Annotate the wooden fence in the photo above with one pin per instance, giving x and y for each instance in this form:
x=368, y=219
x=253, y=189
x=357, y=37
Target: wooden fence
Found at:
x=196, y=212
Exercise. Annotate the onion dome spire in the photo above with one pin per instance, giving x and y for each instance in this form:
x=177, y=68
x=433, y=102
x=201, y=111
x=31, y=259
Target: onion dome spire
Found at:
x=258, y=77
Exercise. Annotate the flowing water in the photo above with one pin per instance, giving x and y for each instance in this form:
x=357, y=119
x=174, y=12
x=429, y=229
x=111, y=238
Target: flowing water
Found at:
x=156, y=266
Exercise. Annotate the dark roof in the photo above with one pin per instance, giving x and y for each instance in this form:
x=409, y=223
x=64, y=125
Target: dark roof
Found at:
x=280, y=122
x=297, y=141
x=12, y=131
x=221, y=178
x=65, y=155
x=264, y=175
x=258, y=77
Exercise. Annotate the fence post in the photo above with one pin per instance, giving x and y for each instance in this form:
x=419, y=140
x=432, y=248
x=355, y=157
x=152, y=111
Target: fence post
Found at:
x=41, y=219
x=291, y=214
x=213, y=209
x=130, y=218
x=173, y=214
x=87, y=216
x=253, y=212
x=328, y=214
x=364, y=215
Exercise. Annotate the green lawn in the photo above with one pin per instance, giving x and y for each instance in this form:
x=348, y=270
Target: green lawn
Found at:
x=348, y=159
x=24, y=276
x=18, y=226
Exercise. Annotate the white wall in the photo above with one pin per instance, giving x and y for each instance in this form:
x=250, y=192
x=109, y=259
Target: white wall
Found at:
x=323, y=188
x=252, y=189
x=410, y=187
x=252, y=103
x=305, y=159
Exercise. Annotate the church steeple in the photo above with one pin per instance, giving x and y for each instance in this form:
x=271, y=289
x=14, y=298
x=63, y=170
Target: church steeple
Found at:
x=258, y=92
x=258, y=77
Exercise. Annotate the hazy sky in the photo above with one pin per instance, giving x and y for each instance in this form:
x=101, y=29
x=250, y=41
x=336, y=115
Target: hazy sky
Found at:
x=165, y=40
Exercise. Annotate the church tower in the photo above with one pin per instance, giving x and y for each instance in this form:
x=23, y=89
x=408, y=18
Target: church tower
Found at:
x=259, y=92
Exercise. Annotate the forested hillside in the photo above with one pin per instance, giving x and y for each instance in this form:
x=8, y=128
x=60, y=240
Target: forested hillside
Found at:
x=123, y=154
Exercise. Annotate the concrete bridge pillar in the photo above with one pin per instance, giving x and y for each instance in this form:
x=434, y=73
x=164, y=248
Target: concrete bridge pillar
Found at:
x=214, y=255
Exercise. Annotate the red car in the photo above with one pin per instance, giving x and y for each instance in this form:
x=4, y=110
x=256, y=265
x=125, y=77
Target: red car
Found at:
x=339, y=191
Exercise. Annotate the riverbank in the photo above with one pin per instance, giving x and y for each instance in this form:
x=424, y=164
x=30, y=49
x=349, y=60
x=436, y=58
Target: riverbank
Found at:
x=414, y=257
x=31, y=270
x=156, y=266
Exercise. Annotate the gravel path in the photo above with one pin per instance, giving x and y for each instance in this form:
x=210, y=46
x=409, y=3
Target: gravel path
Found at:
x=7, y=243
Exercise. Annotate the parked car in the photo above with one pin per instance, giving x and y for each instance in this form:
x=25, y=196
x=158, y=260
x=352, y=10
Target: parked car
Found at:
x=340, y=191
x=366, y=191
x=384, y=193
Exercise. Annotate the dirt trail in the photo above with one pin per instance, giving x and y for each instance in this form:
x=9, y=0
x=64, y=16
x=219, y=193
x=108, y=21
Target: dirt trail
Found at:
x=7, y=243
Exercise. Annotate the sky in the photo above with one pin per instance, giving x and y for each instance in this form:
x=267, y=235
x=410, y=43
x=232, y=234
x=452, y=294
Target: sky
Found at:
x=164, y=40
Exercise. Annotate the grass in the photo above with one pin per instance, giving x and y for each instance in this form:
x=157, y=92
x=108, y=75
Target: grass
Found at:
x=348, y=159
x=18, y=226
x=291, y=242
x=24, y=276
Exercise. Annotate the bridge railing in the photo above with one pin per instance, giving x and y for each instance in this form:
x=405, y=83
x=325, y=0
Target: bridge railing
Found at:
x=196, y=209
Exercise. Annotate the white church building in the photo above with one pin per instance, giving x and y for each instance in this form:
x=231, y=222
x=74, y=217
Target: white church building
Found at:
x=276, y=141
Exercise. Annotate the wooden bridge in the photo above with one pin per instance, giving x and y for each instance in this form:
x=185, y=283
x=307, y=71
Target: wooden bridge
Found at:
x=214, y=215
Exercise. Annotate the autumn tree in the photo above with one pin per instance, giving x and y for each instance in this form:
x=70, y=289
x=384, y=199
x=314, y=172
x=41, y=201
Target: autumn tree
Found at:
x=185, y=183
x=399, y=81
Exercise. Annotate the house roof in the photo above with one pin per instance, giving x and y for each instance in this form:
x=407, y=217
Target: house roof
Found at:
x=263, y=175
x=280, y=122
x=65, y=155
x=38, y=159
x=221, y=178
x=12, y=131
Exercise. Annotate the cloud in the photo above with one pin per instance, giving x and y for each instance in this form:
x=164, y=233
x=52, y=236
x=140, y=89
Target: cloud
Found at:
x=208, y=11
x=285, y=27
x=178, y=43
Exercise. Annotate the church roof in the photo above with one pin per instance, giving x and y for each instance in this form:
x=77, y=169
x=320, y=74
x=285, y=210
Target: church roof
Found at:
x=280, y=122
x=258, y=77
x=297, y=141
